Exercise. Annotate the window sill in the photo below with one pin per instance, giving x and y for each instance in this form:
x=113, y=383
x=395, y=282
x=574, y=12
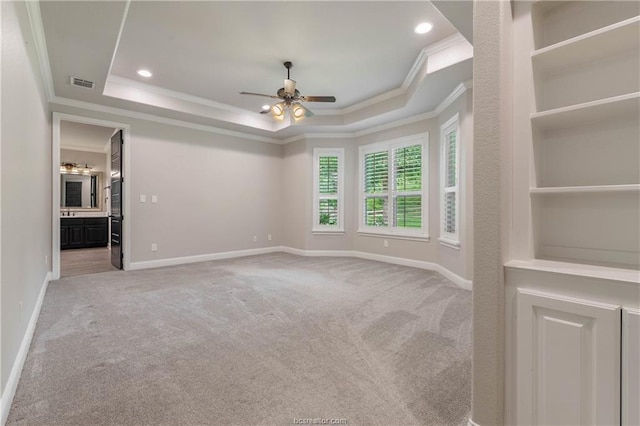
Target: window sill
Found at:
x=391, y=235
x=327, y=231
x=449, y=243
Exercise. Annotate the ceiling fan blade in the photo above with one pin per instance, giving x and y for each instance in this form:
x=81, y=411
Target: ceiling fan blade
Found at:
x=259, y=94
x=318, y=98
x=289, y=87
x=307, y=111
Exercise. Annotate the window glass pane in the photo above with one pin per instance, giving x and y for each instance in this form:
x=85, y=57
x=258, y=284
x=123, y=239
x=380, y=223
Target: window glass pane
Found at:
x=407, y=162
x=450, y=153
x=450, y=212
x=328, y=179
x=408, y=212
x=328, y=210
x=376, y=212
x=376, y=172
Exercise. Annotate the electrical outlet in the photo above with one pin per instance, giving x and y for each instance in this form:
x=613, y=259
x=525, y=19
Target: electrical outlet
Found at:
x=255, y=238
x=143, y=198
x=154, y=247
x=386, y=243
x=269, y=237
x=154, y=198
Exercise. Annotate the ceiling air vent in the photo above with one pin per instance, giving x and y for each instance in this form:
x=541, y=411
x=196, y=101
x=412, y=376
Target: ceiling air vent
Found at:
x=79, y=82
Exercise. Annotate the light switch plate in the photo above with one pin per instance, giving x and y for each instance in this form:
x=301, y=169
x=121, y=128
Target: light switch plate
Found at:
x=154, y=198
x=143, y=198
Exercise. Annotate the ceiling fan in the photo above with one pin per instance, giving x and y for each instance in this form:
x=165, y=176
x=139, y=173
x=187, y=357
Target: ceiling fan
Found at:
x=290, y=97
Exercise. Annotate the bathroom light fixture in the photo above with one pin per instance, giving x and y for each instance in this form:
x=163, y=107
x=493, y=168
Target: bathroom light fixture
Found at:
x=423, y=28
x=144, y=73
x=74, y=169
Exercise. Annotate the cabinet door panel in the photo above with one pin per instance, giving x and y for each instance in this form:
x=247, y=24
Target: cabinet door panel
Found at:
x=76, y=235
x=95, y=235
x=64, y=236
x=630, y=366
x=568, y=353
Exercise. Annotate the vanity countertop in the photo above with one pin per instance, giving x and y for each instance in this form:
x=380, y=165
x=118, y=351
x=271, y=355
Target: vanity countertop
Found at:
x=83, y=215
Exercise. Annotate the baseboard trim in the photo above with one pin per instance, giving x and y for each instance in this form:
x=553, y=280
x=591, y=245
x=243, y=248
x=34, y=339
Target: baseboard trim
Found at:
x=421, y=264
x=133, y=266
x=14, y=376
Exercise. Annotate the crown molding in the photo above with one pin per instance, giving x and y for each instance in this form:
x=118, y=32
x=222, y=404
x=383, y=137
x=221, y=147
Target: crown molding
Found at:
x=112, y=78
x=448, y=101
x=457, y=92
x=37, y=31
x=158, y=119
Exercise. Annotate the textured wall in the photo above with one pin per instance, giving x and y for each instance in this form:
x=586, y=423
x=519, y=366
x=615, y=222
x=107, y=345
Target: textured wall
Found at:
x=492, y=139
x=25, y=182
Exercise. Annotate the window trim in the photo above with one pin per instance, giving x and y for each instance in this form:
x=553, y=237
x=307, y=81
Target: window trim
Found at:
x=421, y=234
x=449, y=239
x=316, y=228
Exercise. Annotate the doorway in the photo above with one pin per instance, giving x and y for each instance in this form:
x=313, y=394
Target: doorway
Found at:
x=84, y=174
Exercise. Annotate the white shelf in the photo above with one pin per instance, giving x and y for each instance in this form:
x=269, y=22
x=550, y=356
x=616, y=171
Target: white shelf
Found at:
x=592, y=271
x=589, y=112
x=598, y=44
x=599, y=189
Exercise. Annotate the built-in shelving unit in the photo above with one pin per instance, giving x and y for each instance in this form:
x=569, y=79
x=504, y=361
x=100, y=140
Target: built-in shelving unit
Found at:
x=585, y=121
x=573, y=279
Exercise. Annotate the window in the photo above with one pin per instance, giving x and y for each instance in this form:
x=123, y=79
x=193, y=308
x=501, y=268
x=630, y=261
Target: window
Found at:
x=449, y=183
x=328, y=184
x=393, y=178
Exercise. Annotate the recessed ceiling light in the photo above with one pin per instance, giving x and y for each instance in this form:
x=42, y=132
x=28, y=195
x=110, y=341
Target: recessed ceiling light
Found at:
x=423, y=28
x=144, y=73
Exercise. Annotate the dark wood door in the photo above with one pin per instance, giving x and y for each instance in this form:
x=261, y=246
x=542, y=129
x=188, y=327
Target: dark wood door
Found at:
x=116, y=199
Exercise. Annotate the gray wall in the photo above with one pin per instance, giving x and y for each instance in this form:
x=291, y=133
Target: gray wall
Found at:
x=298, y=195
x=25, y=179
x=215, y=192
x=97, y=160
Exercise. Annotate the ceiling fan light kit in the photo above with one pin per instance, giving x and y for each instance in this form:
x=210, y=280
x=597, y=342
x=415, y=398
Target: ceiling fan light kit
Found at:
x=291, y=99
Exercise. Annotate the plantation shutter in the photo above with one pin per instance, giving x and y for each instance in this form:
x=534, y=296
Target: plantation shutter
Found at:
x=328, y=190
x=450, y=189
x=407, y=179
x=376, y=187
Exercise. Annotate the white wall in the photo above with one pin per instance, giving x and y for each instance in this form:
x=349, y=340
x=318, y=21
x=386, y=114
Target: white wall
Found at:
x=25, y=184
x=492, y=180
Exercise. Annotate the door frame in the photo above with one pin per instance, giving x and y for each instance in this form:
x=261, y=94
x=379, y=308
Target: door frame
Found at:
x=55, y=190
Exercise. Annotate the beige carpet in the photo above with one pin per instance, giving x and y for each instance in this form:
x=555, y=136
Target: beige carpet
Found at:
x=259, y=340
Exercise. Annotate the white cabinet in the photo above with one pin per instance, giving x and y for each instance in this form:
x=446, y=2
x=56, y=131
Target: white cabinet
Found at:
x=630, y=366
x=568, y=353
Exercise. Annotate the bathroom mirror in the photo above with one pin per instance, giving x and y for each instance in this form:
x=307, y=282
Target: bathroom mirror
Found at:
x=82, y=192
